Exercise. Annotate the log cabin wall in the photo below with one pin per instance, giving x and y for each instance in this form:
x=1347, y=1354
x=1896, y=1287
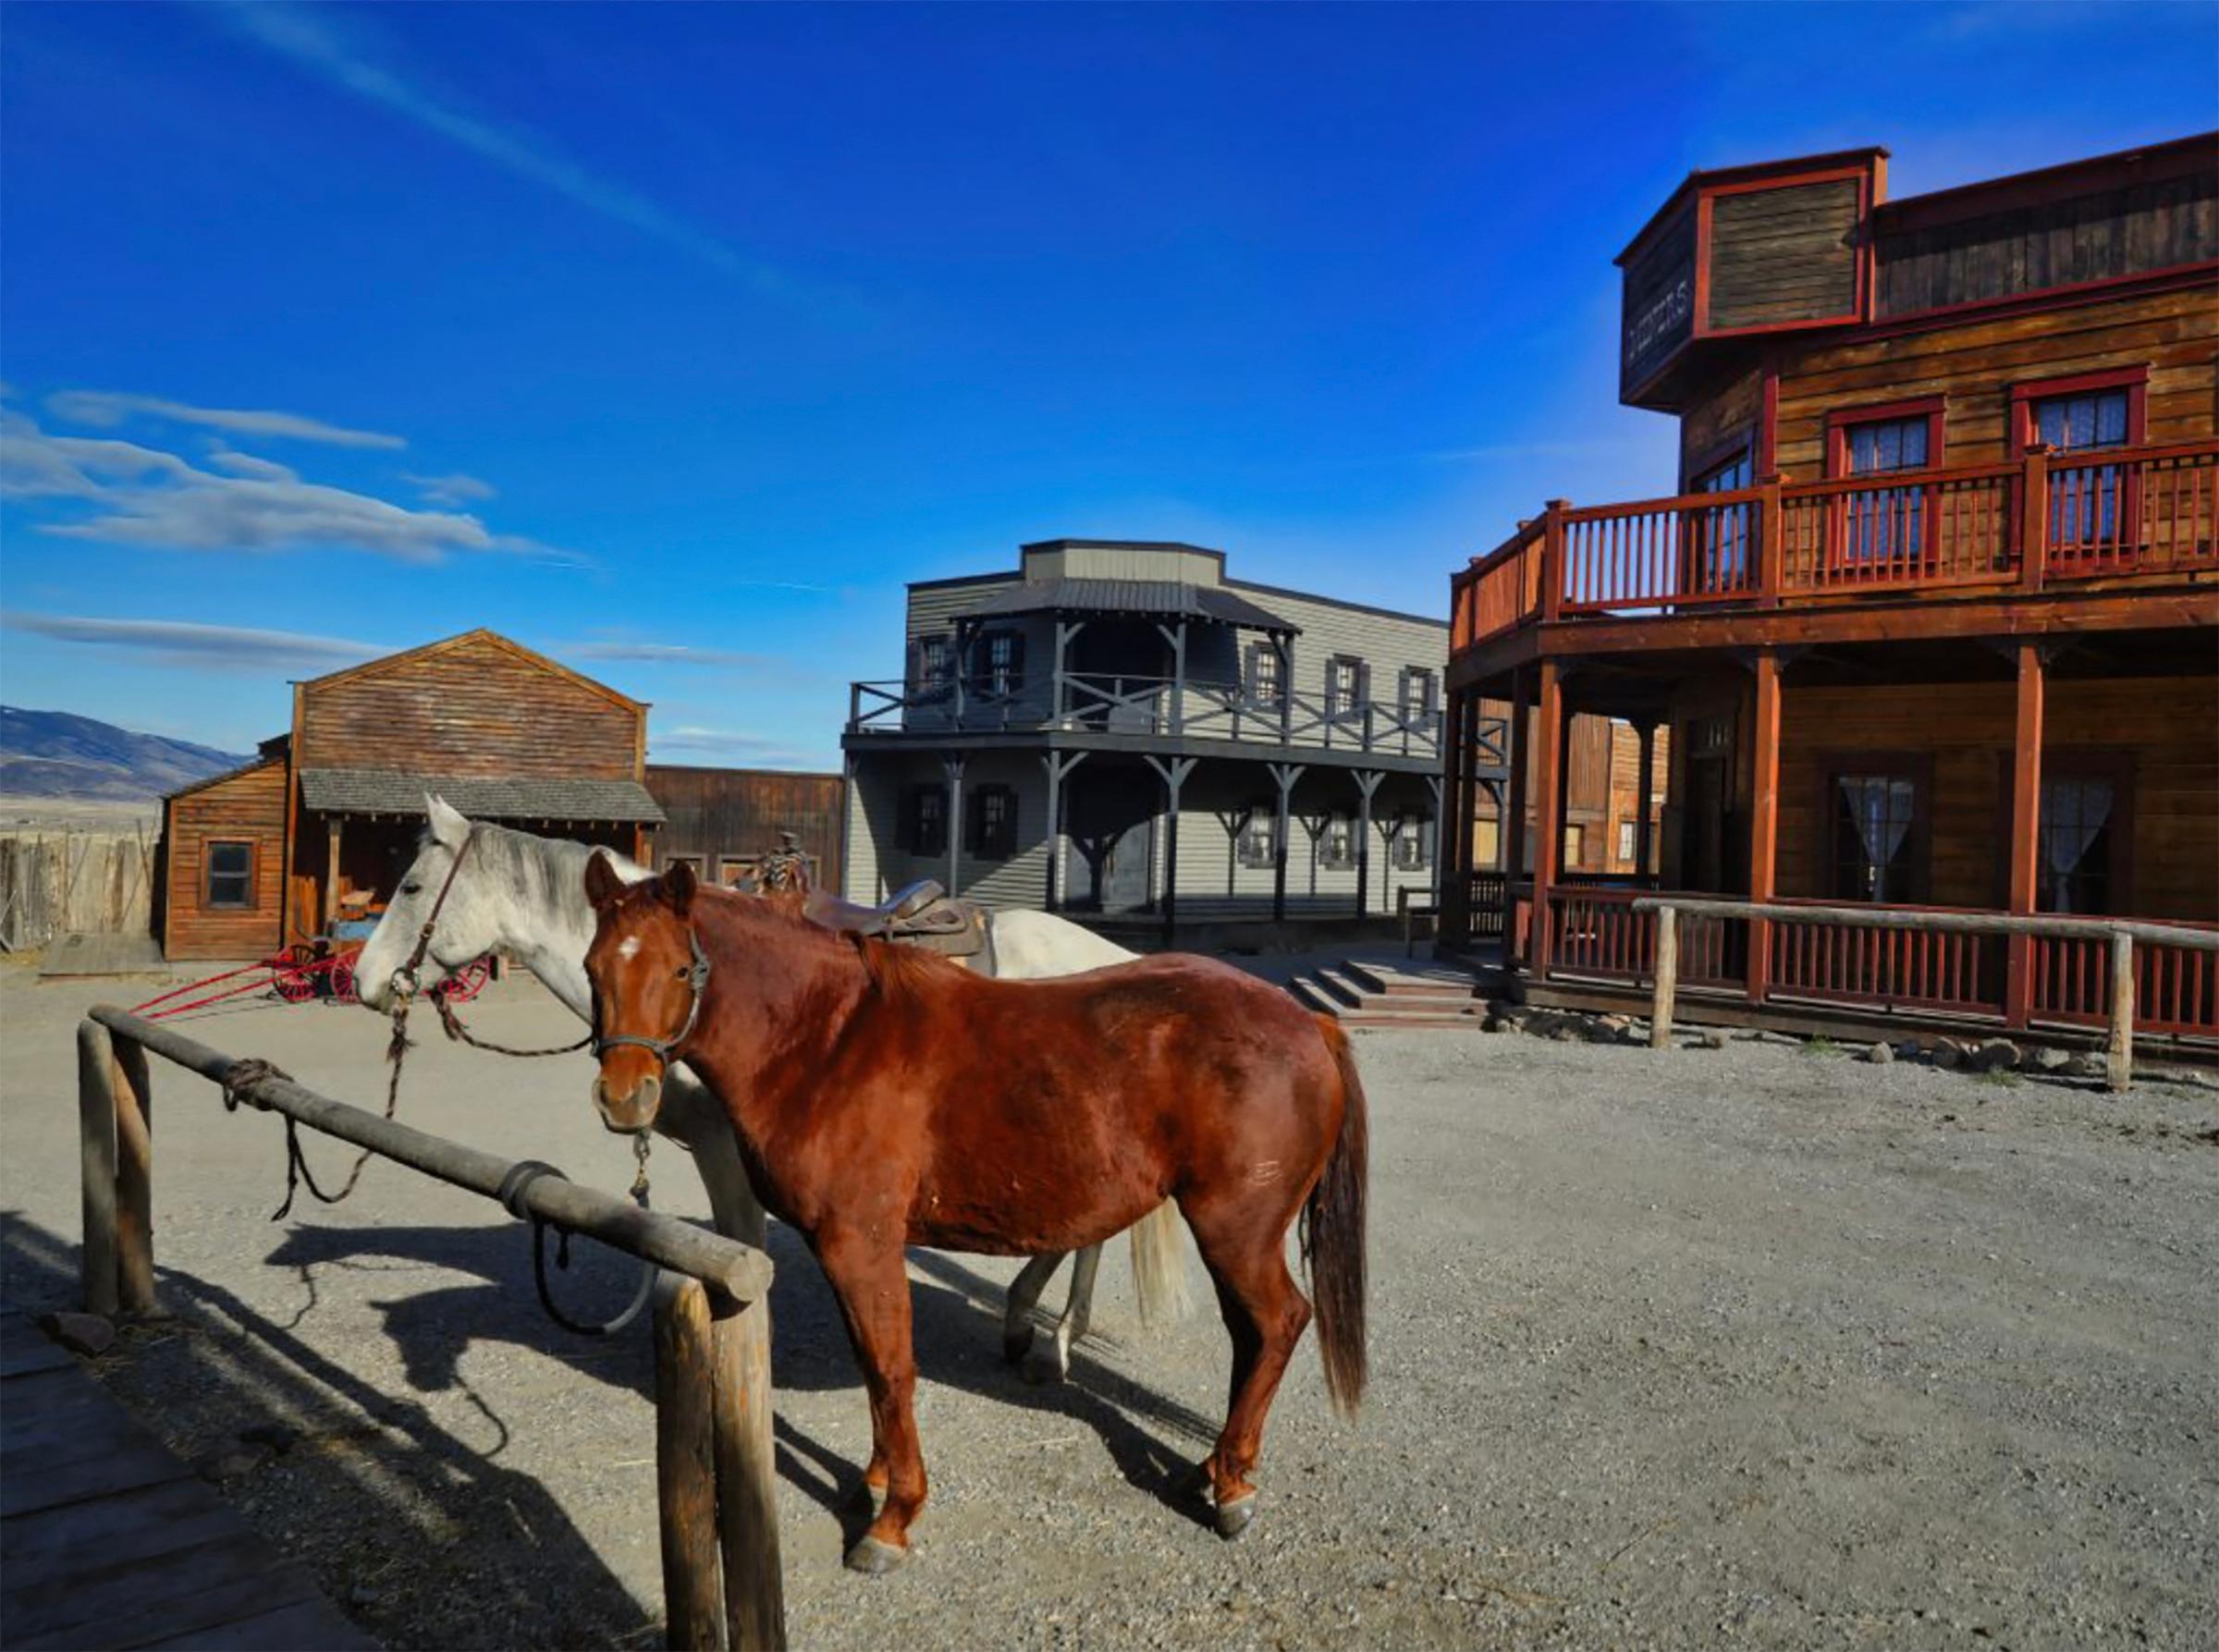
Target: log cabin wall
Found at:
x=474, y=707
x=2155, y=733
x=247, y=806
x=717, y=814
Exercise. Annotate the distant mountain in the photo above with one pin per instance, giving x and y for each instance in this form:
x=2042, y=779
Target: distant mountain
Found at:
x=53, y=754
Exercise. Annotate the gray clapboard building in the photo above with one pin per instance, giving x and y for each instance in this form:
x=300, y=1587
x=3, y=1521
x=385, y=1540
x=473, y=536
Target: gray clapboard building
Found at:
x=1121, y=731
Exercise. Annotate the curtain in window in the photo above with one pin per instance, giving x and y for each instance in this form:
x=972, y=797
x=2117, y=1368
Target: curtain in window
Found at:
x=2084, y=499
x=2072, y=814
x=1887, y=523
x=1881, y=809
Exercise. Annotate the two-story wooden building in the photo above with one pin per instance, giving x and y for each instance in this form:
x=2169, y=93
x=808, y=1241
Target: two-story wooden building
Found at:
x=1932, y=617
x=1124, y=732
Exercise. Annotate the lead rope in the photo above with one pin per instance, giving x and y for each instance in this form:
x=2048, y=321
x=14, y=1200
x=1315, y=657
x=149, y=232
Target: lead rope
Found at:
x=511, y=1194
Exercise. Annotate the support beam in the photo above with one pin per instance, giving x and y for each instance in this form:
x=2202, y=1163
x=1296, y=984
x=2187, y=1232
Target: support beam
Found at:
x=1172, y=772
x=1283, y=775
x=1512, y=822
x=1059, y=682
x=1764, y=815
x=331, y=873
x=2025, y=827
x=1645, y=787
x=1283, y=646
x=953, y=769
x=1059, y=765
x=1175, y=636
x=1451, y=842
x=1549, y=825
x=1367, y=783
x=1440, y=792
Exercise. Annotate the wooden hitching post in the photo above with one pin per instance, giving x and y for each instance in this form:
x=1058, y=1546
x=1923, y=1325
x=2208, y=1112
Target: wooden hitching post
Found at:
x=754, y=1596
x=2119, y=1068
x=134, y=1177
x=685, y=1465
x=96, y=1164
x=1668, y=978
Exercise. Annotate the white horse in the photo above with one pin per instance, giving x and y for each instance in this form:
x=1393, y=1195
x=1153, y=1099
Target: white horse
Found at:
x=525, y=895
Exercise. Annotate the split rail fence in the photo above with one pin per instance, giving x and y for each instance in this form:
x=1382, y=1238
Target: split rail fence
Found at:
x=716, y=1468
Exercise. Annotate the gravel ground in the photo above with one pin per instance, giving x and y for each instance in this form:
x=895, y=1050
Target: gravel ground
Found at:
x=1667, y=1349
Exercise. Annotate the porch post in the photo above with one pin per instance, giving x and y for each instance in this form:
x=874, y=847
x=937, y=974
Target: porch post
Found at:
x=1511, y=800
x=1283, y=646
x=1283, y=775
x=1548, y=824
x=954, y=768
x=1059, y=765
x=1059, y=679
x=1367, y=782
x=1765, y=817
x=2026, y=828
x=1173, y=773
x=331, y=876
x=1176, y=636
x=1644, y=786
x=1451, y=881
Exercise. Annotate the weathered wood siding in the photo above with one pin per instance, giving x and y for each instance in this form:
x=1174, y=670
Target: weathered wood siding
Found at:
x=718, y=813
x=1721, y=421
x=57, y=880
x=1783, y=255
x=2129, y=230
x=1962, y=732
x=1657, y=304
x=472, y=708
x=1975, y=364
x=247, y=806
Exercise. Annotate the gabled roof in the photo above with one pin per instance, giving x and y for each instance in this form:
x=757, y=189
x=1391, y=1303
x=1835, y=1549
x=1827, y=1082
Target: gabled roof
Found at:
x=446, y=645
x=247, y=767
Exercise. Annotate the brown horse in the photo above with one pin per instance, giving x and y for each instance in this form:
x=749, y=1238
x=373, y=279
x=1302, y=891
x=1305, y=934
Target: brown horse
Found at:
x=885, y=1096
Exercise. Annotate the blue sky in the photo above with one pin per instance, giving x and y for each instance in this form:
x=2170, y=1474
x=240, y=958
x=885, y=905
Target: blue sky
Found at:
x=672, y=339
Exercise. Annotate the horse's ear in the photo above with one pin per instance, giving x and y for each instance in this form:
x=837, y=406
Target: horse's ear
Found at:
x=678, y=886
x=449, y=826
x=602, y=884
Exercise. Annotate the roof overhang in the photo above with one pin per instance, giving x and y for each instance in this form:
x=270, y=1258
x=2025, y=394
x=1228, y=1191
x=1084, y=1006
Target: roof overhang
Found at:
x=482, y=797
x=1152, y=599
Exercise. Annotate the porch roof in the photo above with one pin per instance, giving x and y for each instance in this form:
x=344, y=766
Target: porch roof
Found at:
x=1160, y=599
x=482, y=797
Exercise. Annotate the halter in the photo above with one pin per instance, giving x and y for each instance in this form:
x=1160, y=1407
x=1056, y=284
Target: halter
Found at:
x=405, y=984
x=695, y=975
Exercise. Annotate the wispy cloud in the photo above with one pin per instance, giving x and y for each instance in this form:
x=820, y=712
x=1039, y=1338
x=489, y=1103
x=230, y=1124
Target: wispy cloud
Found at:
x=454, y=489
x=669, y=654
x=108, y=409
x=762, y=750
x=306, y=37
x=188, y=646
x=117, y=492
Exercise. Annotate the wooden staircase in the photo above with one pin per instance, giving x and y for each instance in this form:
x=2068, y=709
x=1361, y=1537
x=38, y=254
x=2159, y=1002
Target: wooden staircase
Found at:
x=1371, y=993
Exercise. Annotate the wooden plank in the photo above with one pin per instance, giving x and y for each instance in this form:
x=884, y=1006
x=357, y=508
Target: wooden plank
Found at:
x=747, y=1478
x=283, y=1629
x=50, y=1473
x=685, y=1466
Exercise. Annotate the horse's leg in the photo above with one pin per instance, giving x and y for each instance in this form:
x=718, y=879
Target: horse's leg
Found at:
x=870, y=1279
x=1243, y=1244
x=1025, y=1295
x=1049, y=1360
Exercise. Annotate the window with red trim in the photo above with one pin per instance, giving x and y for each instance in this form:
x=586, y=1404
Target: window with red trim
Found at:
x=1884, y=525
x=2092, y=506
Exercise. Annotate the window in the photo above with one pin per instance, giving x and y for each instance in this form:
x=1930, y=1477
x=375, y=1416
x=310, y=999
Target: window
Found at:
x=1337, y=844
x=1884, y=525
x=1267, y=677
x=1417, y=690
x=1487, y=841
x=2076, y=830
x=732, y=871
x=1413, y=847
x=1576, y=848
x=991, y=826
x=1344, y=685
x=1257, y=841
x=1719, y=542
x=2090, y=505
x=231, y=875
x=1003, y=663
x=1876, y=814
x=926, y=832
x=691, y=863
x=1627, y=843
x=935, y=663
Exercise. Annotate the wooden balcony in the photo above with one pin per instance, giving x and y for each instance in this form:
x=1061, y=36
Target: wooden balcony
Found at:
x=2130, y=520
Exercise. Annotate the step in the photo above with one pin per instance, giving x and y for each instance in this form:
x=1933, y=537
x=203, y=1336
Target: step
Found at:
x=1414, y=982
x=1379, y=1011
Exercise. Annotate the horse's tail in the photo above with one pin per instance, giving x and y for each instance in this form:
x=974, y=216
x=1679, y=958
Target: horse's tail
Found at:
x=1160, y=1273
x=1332, y=1234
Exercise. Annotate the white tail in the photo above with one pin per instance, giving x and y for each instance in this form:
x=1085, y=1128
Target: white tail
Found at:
x=1160, y=1273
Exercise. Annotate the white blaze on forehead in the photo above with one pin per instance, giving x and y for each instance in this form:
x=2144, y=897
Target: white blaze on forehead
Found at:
x=629, y=948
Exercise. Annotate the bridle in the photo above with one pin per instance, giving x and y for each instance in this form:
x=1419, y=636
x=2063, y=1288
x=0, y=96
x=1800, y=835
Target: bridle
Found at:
x=405, y=984
x=696, y=976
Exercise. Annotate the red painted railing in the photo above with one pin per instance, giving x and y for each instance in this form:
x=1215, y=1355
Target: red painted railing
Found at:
x=1596, y=933
x=2175, y=988
x=2151, y=510
x=1907, y=967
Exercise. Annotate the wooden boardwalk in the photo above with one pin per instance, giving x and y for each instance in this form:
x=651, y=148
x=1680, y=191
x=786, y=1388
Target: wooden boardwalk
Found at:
x=106, y=1540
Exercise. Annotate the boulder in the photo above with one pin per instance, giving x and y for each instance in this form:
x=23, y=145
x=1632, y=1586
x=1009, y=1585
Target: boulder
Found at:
x=1993, y=1054
x=1881, y=1053
x=2048, y=1059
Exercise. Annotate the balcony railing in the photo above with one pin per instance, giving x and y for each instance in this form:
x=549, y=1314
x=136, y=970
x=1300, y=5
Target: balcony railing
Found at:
x=1160, y=707
x=2049, y=518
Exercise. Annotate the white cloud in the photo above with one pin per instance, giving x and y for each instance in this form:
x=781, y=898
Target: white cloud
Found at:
x=132, y=495
x=186, y=646
x=452, y=489
x=307, y=37
x=669, y=654
x=760, y=750
x=108, y=409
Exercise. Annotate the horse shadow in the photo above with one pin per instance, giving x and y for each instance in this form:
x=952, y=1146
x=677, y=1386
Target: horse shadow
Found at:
x=956, y=1319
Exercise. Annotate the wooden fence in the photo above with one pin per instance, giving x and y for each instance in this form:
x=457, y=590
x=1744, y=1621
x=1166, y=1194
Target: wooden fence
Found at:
x=61, y=882
x=1932, y=948
x=715, y=1459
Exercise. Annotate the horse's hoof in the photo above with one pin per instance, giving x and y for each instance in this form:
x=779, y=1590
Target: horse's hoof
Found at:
x=1016, y=1344
x=875, y=1557
x=1233, y=1517
x=1046, y=1366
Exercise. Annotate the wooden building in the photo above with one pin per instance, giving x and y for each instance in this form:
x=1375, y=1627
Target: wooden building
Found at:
x=318, y=829
x=720, y=820
x=1932, y=617
x=1122, y=731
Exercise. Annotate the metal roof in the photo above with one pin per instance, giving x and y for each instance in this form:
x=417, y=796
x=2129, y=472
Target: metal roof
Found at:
x=499, y=797
x=1160, y=598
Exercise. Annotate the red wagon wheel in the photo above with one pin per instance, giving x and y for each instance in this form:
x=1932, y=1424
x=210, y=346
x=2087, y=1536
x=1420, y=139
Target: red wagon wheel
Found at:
x=342, y=980
x=468, y=981
x=294, y=979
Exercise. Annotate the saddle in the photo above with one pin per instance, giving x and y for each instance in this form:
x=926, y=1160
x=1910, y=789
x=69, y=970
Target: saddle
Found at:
x=924, y=914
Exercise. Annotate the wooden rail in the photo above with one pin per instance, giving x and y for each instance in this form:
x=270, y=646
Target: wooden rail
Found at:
x=2120, y=936
x=716, y=1464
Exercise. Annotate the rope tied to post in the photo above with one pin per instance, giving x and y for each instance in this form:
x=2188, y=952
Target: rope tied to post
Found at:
x=513, y=1187
x=251, y=1070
